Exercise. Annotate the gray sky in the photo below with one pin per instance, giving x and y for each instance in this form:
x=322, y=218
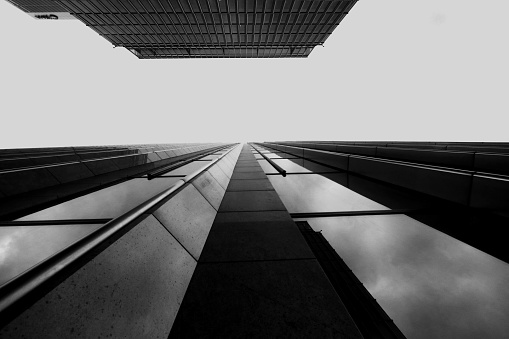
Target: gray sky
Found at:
x=393, y=70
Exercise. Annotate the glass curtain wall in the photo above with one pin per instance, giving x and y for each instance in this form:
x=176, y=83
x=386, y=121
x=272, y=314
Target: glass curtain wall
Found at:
x=31, y=239
x=430, y=284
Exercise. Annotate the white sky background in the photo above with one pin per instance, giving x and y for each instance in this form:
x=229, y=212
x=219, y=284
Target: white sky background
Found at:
x=432, y=70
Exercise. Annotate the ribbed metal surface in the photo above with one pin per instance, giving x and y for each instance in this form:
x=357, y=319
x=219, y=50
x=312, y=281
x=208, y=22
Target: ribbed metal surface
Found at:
x=212, y=28
x=35, y=6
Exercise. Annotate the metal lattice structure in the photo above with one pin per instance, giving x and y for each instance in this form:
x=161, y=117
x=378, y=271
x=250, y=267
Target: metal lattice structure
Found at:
x=212, y=28
x=31, y=6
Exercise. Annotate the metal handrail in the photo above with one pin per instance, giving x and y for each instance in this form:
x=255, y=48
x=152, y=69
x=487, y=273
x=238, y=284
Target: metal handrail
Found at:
x=307, y=215
x=48, y=273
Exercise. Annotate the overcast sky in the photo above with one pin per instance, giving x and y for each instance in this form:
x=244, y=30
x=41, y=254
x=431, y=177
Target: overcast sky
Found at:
x=393, y=70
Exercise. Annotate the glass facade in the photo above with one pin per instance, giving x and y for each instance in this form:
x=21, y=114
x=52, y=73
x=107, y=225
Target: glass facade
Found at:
x=226, y=216
x=109, y=202
x=31, y=239
x=430, y=284
x=24, y=246
x=322, y=195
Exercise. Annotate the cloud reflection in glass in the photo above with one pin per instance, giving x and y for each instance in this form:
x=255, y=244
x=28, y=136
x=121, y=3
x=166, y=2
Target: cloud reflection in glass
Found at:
x=431, y=284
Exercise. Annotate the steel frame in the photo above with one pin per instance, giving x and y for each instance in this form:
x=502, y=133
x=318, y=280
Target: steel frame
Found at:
x=212, y=28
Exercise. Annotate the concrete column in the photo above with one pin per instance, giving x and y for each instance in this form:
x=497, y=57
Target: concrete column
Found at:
x=256, y=276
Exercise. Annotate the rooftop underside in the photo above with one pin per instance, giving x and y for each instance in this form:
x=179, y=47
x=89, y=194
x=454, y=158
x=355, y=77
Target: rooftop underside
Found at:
x=31, y=6
x=212, y=28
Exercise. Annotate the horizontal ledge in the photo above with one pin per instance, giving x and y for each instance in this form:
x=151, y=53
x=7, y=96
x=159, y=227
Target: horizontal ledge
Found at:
x=233, y=45
x=297, y=173
x=352, y=213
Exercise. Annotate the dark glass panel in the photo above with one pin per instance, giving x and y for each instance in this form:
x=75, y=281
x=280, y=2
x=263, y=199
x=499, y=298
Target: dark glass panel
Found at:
x=15, y=163
x=388, y=195
x=430, y=284
x=101, y=166
x=45, y=160
x=17, y=182
x=21, y=247
x=70, y=172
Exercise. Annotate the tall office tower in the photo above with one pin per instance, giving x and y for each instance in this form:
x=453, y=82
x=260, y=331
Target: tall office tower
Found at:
x=274, y=239
x=205, y=28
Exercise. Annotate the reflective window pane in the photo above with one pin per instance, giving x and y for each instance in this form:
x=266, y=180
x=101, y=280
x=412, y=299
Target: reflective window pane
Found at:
x=285, y=164
x=272, y=155
x=430, y=284
x=295, y=166
x=21, y=247
x=309, y=165
x=109, y=202
x=211, y=157
x=315, y=193
x=189, y=168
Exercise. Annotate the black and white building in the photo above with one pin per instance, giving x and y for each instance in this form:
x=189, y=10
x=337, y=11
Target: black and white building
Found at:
x=276, y=239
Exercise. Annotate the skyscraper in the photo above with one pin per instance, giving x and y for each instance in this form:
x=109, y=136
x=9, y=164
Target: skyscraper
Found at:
x=204, y=28
x=270, y=239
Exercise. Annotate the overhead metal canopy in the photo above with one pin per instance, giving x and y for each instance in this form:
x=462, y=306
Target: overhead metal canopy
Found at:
x=34, y=6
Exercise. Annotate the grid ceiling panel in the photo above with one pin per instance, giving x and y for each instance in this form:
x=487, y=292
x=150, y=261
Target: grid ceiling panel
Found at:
x=212, y=28
x=35, y=6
